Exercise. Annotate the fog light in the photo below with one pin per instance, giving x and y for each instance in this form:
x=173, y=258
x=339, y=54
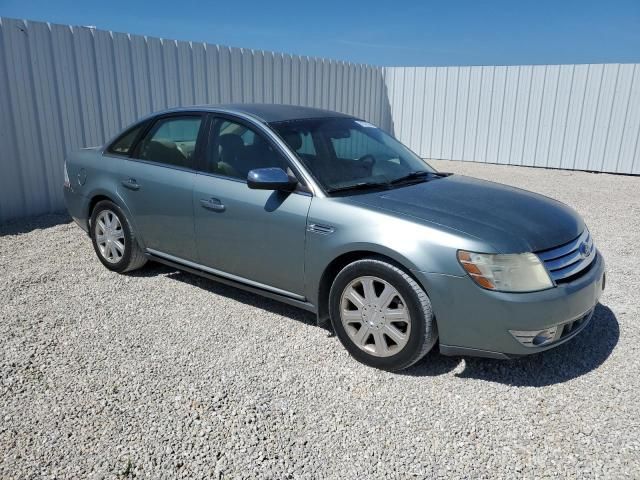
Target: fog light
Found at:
x=535, y=338
x=545, y=336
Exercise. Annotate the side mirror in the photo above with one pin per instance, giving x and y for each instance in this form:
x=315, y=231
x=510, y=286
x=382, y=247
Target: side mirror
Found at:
x=271, y=179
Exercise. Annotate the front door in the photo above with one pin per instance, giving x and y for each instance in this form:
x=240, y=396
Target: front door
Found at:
x=255, y=236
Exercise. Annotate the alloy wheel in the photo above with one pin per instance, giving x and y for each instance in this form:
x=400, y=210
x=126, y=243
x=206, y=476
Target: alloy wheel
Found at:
x=375, y=316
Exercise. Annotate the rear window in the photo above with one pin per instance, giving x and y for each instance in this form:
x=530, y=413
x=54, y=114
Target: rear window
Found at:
x=124, y=143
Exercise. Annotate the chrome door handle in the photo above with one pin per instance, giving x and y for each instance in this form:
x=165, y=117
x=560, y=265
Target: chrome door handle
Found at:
x=131, y=184
x=212, y=204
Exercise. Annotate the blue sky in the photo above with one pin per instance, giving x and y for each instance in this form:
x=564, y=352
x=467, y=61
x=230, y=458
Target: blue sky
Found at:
x=381, y=33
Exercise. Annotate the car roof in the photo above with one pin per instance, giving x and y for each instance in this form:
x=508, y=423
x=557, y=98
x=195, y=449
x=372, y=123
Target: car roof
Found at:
x=268, y=112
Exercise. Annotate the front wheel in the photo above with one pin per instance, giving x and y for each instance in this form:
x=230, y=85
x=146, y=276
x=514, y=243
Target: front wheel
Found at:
x=381, y=315
x=113, y=238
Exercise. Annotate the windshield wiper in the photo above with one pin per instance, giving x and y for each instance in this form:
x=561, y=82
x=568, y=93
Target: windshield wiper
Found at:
x=359, y=186
x=417, y=175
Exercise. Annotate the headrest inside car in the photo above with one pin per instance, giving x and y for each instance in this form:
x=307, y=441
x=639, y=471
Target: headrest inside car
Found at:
x=293, y=139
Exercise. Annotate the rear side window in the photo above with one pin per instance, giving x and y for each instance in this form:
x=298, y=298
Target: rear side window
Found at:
x=124, y=144
x=171, y=141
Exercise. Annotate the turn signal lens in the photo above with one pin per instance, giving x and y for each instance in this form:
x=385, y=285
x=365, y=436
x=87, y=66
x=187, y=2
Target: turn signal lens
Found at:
x=520, y=272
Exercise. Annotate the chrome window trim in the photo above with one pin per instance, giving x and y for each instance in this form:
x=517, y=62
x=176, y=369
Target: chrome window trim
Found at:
x=154, y=164
x=314, y=187
x=230, y=276
x=106, y=153
x=240, y=180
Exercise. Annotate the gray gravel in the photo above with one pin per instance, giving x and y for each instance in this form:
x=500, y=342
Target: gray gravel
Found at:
x=163, y=374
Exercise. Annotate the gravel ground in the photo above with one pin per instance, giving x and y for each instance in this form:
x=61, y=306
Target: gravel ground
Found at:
x=163, y=374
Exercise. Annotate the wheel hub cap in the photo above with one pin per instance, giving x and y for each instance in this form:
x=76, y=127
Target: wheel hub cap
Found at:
x=109, y=236
x=375, y=316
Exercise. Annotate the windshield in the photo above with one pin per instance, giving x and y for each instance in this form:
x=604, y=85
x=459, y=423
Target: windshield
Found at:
x=344, y=152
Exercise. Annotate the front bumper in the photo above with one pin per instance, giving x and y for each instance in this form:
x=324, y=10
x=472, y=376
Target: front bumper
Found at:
x=478, y=322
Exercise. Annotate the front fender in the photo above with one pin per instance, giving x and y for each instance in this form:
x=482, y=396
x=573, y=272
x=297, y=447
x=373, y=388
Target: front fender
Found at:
x=348, y=228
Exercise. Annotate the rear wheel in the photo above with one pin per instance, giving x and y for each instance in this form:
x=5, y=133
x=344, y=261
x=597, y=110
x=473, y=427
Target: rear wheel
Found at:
x=381, y=315
x=113, y=239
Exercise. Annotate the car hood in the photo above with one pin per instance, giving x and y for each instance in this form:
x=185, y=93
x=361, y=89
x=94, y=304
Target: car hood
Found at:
x=510, y=219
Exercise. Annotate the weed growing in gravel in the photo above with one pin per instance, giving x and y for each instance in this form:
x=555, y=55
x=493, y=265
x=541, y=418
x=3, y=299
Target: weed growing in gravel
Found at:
x=128, y=471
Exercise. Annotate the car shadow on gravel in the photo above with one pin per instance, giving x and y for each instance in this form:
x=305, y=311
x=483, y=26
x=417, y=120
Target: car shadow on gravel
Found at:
x=26, y=225
x=579, y=356
x=154, y=269
x=586, y=352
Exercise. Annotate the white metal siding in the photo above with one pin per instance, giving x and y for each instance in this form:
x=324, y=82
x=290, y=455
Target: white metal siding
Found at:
x=584, y=117
x=64, y=88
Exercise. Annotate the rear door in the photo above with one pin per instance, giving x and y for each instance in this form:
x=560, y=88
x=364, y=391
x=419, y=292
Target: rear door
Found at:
x=157, y=184
x=255, y=236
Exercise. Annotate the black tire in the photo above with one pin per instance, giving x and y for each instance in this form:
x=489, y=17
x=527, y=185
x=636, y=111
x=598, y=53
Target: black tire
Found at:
x=423, y=332
x=133, y=256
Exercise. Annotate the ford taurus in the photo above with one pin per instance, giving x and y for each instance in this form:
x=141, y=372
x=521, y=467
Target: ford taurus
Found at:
x=326, y=212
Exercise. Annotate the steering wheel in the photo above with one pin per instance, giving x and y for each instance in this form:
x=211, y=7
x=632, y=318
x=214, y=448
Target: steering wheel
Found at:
x=367, y=161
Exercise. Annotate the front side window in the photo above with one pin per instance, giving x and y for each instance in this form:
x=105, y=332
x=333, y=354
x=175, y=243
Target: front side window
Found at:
x=345, y=152
x=171, y=141
x=235, y=149
x=124, y=144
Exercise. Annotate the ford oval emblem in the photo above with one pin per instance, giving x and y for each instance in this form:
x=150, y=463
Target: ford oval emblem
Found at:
x=585, y=249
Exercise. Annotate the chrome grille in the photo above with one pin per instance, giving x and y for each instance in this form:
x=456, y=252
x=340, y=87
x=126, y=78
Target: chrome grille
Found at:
x=569, y=259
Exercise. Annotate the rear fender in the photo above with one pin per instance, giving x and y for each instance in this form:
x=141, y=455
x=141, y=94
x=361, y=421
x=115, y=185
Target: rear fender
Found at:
x=116, y=198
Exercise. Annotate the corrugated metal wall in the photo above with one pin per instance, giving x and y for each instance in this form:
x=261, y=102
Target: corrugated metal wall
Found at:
x=63, y=88
x=584, y=117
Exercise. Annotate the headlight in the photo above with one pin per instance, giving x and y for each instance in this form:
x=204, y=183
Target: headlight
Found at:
x=520, y=272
